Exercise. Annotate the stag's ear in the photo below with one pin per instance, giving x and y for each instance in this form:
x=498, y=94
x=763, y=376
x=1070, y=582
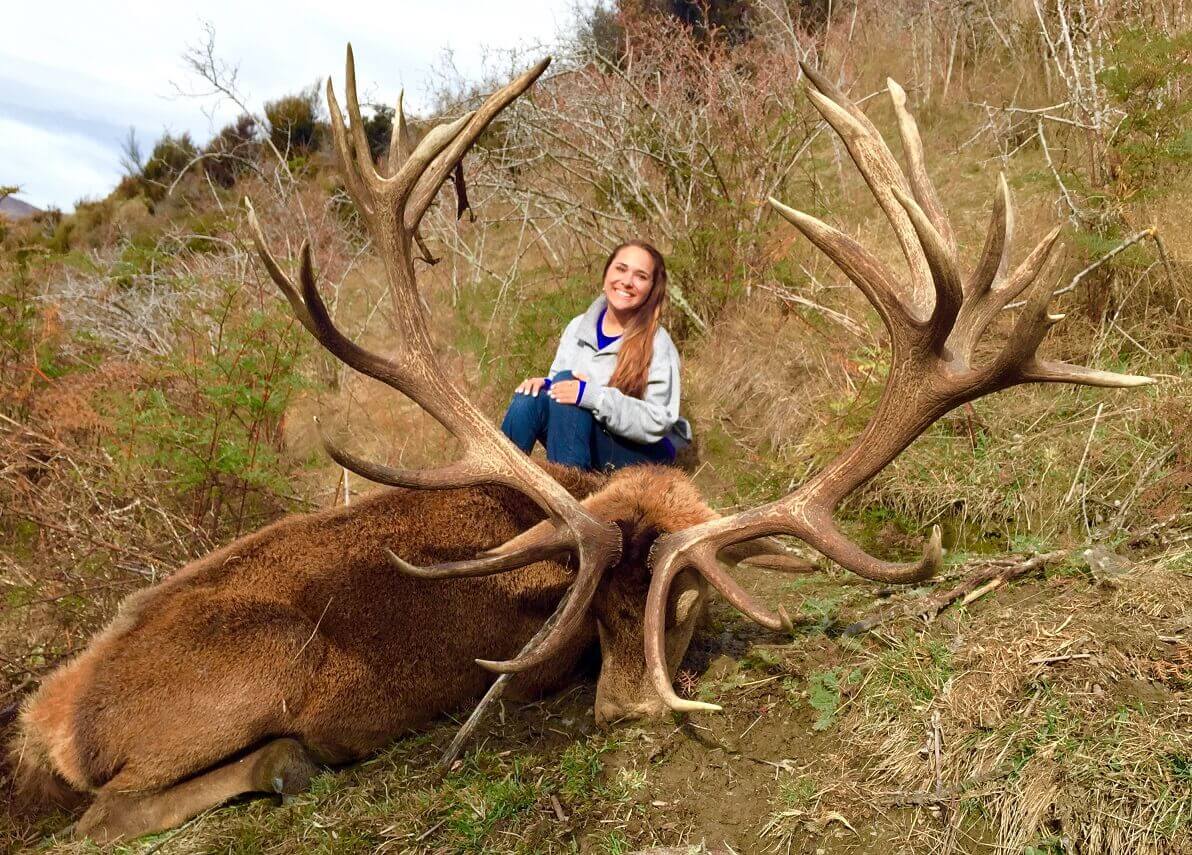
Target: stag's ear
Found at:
x=687, y=595
x=685, y=604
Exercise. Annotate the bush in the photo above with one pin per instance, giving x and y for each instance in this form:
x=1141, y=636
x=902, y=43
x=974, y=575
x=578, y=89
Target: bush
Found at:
x=601, y=33
x=294, y=126
x=1147, y=75
x=171, y=155
x=378, y=128
x=232, y=151
x=209, y=424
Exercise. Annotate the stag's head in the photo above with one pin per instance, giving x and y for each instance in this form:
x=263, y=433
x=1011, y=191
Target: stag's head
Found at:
x=644, y=502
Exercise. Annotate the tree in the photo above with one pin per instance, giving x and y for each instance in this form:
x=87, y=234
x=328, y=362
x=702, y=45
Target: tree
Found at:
x=294, y=121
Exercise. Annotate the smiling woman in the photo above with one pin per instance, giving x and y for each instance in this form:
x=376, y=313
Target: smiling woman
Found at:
x=611, y=397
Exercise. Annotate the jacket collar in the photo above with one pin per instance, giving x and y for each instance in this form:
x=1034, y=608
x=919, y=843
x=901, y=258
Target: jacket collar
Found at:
x=587, y=327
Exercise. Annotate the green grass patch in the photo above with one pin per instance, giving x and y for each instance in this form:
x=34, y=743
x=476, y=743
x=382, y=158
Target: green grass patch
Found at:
x=825, y=691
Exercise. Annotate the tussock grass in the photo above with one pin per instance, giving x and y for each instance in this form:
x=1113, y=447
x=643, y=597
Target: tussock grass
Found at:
x=1063, y=714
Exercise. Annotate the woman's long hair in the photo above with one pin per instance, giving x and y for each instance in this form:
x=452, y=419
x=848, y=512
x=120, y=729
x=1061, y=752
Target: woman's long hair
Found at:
x=637, y=341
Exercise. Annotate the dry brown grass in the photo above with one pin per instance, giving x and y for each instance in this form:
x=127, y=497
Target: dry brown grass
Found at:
x=1063, y=711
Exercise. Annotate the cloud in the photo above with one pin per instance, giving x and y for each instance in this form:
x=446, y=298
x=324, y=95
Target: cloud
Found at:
x=54, y=167
x=82, y=73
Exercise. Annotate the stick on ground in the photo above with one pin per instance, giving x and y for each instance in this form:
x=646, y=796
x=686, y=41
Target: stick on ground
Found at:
x=928, y=608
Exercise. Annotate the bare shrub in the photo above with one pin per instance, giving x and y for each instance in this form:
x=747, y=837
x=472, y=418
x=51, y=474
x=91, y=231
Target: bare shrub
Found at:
x=679, y=142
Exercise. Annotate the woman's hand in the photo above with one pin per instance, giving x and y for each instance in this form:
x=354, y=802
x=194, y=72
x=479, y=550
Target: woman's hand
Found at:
x=531, y=386
x=566, y=391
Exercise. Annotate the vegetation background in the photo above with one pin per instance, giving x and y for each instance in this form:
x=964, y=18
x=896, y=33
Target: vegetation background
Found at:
x=155, y=401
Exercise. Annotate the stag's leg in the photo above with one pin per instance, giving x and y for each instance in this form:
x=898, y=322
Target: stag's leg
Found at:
x=282, y=766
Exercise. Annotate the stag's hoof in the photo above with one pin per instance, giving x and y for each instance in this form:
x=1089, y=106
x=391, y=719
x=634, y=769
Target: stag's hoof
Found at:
x=283, y=767
x=111, y=818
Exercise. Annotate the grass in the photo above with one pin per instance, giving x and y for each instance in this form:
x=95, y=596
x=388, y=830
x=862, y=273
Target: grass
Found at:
x=1049, y=711
x=824, y=693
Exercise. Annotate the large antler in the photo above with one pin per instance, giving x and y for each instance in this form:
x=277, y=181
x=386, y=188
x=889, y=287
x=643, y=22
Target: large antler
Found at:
x=391, y=206
x=935, y=321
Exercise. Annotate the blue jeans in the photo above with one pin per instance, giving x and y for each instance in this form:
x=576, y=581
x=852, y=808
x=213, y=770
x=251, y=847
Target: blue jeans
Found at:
x=572, y=436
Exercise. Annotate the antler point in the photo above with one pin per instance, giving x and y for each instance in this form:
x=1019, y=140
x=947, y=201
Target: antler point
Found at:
x=933, y=555
x=683, y=706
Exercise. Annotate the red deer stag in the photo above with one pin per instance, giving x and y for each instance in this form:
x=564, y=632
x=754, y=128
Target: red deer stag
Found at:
x=301, y=644
x=296, y=645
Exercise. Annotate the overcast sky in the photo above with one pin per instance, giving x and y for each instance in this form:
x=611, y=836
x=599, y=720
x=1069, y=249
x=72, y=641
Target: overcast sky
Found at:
x=74, y=76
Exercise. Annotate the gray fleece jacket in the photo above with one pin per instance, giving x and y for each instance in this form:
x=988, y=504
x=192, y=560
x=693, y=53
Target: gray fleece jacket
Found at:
x=647, y=419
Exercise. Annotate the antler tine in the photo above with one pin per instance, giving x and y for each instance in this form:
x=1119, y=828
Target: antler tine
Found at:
x=274, y=269
x=768, y=553
x=995, y=257
x=430, y=147
x=1024, y=339
x=487, y=565
x=857, y=263
x=401, y=143
x=361, y=192
x=663, y=575
x=537, y=543
x=1045, y=371
x=364, y=161
x=881, y=172
x=465, y=472
x=944, y=276
x=980, y=308
x=432, y=179
x=582, y=590
x=831, y=541
x=924, y=189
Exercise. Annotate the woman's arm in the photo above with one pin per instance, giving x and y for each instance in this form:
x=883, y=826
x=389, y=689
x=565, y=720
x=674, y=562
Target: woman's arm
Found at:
x=649, y=418
x=565, y=353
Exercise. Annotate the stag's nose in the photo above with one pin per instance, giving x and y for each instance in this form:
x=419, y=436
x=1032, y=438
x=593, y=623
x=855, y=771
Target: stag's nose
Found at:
x=610, y=711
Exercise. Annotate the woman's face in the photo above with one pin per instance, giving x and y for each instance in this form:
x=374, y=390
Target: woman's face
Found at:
x=628, y=279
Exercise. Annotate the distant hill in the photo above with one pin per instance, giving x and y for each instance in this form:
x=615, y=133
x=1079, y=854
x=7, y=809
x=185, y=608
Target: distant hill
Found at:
x=14, y=209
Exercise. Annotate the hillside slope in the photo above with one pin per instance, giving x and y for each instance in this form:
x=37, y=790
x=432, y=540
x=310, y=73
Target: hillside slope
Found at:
x=156, y=395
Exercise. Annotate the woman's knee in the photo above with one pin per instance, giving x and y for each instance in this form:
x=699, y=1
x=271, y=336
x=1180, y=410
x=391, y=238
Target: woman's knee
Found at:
x=568, y=414
x=524, y=406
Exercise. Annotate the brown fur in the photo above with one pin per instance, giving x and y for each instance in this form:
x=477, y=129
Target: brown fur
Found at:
x=303, y=629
